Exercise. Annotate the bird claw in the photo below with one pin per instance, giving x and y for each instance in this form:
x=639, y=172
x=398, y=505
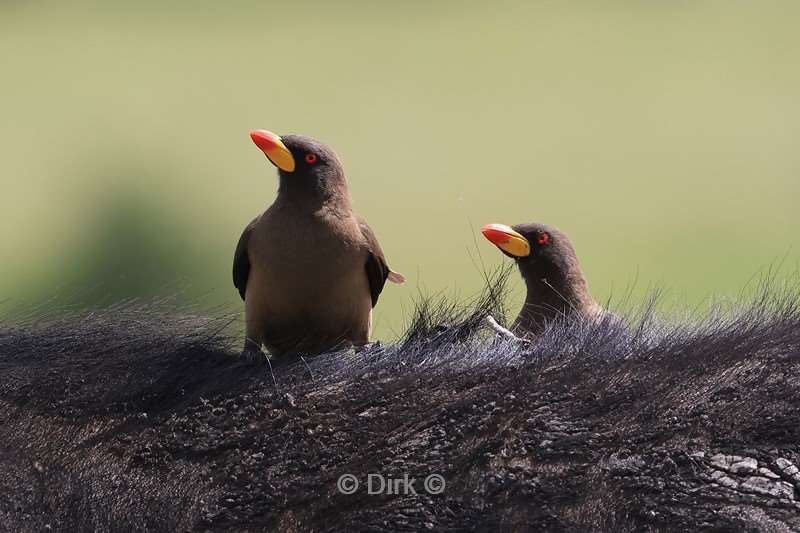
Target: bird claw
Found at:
x=252, y=354
x=369, y=347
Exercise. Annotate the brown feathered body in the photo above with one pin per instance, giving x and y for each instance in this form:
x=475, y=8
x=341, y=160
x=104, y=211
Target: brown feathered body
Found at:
x=307, y=287
x=309, y=269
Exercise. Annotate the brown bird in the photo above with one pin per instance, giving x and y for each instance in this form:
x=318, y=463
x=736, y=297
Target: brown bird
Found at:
x=548, y=264
x=308, y=268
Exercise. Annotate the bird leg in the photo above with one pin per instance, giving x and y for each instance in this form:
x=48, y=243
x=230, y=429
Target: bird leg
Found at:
x=252, y=354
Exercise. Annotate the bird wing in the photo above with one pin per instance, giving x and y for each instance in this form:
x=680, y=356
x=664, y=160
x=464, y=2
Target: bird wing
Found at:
x=241, y=261
x=378, y=270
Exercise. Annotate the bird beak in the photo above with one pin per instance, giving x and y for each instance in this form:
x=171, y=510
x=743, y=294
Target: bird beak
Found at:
x=274, y=149
x=507, y=239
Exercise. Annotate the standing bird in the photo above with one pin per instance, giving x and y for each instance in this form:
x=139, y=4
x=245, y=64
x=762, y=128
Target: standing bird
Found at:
x=308, y=268
x=548, y=264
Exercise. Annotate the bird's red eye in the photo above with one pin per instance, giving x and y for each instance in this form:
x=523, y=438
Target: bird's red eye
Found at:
x=311, y=159
x=544, y=239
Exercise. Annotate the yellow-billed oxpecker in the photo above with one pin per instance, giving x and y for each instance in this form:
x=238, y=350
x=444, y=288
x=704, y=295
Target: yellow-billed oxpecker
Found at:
x=308, y=268
x=553, y=278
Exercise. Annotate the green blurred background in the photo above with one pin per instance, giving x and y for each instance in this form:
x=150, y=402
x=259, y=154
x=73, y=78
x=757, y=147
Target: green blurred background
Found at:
x=662, y=136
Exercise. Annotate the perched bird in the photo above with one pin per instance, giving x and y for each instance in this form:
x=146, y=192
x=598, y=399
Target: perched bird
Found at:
x=308, y=268
x=548, y=264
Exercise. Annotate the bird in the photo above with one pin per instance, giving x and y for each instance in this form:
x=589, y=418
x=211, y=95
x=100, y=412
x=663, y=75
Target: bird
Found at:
x=308, y=268
x=556, y=286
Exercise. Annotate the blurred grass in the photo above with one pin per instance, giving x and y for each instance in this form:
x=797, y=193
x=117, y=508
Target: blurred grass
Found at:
x=661, y=136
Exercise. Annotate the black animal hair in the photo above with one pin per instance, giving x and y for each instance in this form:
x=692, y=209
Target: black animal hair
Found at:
x=139, y=417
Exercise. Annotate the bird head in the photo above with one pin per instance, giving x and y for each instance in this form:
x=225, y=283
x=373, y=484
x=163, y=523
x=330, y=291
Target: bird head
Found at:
x=540, y=251
x=305, y=165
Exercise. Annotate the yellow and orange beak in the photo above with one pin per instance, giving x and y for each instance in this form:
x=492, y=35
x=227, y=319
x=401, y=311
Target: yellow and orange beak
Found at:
x=507, y=239
x=274, y=149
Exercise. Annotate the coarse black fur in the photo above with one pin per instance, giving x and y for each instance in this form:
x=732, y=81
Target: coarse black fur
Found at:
x=140, y=418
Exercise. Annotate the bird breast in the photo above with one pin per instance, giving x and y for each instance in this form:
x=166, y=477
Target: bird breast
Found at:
x=305, y=264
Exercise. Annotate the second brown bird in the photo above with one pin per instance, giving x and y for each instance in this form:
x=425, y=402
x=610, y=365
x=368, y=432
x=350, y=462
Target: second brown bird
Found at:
x=556, y=286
